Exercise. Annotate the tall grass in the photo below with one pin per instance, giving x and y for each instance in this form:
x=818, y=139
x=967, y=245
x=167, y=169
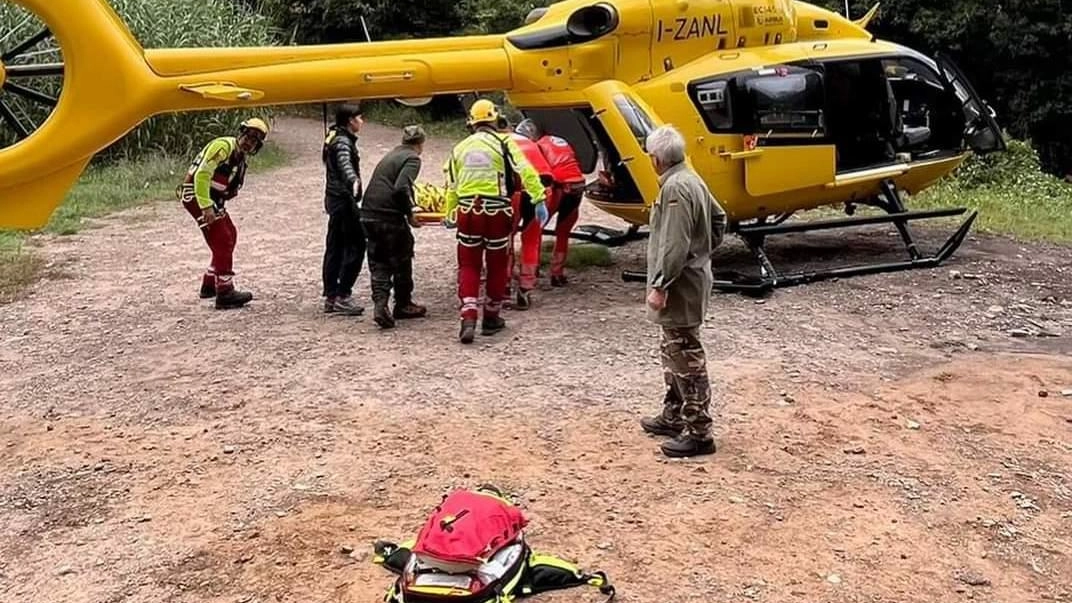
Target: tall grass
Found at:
x=155, y=23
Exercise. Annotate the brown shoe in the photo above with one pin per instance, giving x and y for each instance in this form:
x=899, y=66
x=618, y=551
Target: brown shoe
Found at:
x=410, y=310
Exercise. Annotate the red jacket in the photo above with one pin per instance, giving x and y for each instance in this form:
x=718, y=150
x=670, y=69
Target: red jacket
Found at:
x=535, y=156
x=562, y=159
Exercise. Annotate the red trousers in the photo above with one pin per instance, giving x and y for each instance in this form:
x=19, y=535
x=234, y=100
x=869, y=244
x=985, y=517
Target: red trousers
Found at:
x=483, y=238
x=567, y=205
x=221, y=237
x=530, y=248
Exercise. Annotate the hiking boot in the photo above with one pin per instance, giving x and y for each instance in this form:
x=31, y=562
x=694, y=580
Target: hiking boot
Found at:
x=559, y=281
x=685, y=446
x=658, y=425
x=468, y=331
x=207, y=291
x=329, y=305
x=347, y=305
x=233, y=299
x=382, y=317
x=491, y=326
x=523, y=301
x=410, y=310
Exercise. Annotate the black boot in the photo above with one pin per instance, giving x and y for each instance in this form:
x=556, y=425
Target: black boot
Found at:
x=687, y=445
x=468, y=331
x=659, y=425
x=491, y=326
x=523, y=300
x=233, y=299
x=382, y=316
x=207, y=291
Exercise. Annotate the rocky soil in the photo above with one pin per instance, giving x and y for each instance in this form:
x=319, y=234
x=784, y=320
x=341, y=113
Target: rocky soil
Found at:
x=896, y=438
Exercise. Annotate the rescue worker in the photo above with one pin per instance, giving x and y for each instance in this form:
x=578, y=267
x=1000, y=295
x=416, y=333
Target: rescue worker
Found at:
x=480, y=173
x=532, y=235
x=568, y=184
x=344, y=246
x=214, y=178
x=387, y=215
x=687, y=224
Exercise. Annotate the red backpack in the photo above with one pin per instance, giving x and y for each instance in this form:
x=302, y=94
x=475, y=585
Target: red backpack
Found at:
x=468, y=528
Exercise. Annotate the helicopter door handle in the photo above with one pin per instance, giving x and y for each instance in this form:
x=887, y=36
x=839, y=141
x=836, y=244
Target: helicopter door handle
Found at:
x=741, y=154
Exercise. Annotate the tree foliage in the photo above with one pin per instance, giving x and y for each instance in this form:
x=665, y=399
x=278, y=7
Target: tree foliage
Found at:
x=333, y=21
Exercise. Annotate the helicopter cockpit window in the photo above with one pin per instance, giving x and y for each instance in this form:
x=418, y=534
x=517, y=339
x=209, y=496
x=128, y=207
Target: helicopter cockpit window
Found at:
x=639, y=122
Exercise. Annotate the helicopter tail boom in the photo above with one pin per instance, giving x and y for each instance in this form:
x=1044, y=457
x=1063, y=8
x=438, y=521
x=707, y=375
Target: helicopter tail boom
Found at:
x=205, y=79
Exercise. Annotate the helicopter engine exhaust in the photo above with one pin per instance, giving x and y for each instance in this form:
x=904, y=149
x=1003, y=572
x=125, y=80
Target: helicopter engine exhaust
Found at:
x=591, y=22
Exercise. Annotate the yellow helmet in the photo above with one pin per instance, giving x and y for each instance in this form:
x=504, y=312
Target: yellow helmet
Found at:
x=256, y=123
x=483, y=111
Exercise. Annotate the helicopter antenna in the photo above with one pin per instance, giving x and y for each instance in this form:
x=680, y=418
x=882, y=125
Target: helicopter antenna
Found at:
x=368, y=38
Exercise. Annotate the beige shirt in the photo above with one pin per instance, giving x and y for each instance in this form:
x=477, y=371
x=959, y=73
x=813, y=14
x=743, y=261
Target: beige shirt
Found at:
x=680, y=246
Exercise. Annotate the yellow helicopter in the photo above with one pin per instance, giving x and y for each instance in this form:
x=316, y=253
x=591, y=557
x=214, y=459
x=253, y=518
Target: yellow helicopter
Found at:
x=785, y=106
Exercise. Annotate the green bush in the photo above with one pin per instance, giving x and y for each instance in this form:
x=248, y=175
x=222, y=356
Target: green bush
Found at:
x=1018, y=162
x=160, y=23
x=1012, y=193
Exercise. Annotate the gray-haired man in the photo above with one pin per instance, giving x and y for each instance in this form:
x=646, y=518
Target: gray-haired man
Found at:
x=687, y=224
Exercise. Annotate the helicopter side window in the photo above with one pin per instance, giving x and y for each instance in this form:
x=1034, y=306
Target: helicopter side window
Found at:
x=639, y=122
x=714, y=100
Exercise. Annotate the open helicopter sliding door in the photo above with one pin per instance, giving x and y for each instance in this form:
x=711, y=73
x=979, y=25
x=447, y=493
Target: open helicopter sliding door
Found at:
x=981, y=131
x=621, y=121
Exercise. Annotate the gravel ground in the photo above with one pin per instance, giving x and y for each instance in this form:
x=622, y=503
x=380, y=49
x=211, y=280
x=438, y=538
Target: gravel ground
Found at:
x=900, y=437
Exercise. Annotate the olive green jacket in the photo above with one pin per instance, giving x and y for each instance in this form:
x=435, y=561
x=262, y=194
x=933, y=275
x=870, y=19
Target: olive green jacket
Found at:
x=687, y=224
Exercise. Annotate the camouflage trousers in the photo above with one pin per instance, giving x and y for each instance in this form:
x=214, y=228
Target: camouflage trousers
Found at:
x=688, y=395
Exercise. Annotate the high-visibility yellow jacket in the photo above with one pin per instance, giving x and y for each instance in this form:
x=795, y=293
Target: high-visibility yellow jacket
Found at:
x=477, y=167
x=217, y=173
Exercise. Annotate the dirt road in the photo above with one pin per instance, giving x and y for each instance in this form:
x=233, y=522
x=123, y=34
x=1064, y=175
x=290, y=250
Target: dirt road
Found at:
x=890, y=438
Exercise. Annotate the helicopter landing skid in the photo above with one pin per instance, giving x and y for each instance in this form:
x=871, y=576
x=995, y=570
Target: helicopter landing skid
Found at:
x=770, y=279
x=601, y=235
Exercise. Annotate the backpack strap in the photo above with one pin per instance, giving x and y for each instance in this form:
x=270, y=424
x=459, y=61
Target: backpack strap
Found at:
x=391, y=556
x=547, y=572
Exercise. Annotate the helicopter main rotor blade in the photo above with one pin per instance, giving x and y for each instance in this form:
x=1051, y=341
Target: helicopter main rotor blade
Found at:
x=26, y=45
x=42, y=70
x=25, y=92
x=13, y=121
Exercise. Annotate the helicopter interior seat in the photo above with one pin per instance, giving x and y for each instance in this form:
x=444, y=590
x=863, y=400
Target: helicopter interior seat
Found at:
x=906, y=137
